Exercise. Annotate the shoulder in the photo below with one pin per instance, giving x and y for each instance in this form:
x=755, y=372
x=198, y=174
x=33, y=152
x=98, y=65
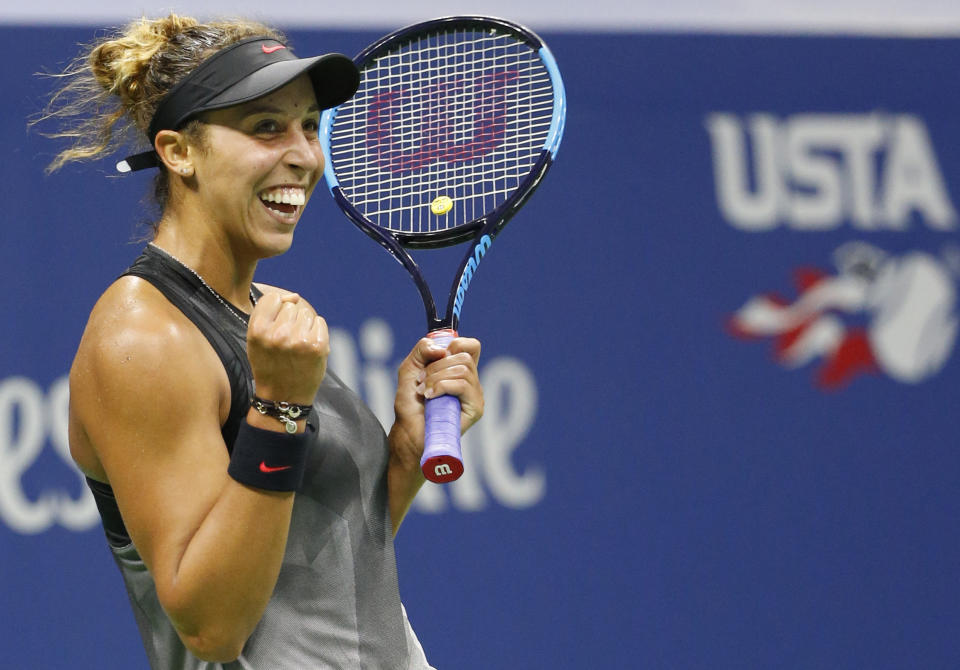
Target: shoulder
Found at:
x=133, y=319
x=136, y=348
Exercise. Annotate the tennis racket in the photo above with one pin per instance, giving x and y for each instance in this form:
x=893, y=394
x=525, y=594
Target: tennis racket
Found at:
x=455, y=124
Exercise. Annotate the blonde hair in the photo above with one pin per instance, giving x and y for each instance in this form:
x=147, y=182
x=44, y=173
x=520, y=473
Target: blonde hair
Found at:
x=111, y=91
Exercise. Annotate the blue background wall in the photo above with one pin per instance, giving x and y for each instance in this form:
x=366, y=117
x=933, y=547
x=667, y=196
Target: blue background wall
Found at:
x=646, y=490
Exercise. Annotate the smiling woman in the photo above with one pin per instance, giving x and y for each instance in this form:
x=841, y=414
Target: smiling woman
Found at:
x=249, y=498
x=260, y=161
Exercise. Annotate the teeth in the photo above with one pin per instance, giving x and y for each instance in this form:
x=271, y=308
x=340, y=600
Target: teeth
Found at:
x=287, y=196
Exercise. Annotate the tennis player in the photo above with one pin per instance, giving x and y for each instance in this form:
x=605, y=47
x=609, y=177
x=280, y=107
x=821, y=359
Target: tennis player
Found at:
x=250, y=499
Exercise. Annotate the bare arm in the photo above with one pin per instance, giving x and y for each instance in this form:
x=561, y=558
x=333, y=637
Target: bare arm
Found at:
x=148, y=392
x=425, y=373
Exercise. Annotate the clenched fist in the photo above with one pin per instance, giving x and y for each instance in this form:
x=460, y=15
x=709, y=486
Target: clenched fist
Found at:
x=430, y=371
x=288, y=345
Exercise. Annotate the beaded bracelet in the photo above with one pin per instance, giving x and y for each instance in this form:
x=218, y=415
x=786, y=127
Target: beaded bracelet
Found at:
x=287, y=412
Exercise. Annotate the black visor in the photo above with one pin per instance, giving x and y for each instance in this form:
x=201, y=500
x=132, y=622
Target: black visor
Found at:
x=244, y=71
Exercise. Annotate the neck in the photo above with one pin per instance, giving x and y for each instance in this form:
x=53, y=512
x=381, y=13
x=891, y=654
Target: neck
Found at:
x=216, y=262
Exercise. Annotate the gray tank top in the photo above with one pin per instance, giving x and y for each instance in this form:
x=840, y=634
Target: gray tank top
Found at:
x=336, y=604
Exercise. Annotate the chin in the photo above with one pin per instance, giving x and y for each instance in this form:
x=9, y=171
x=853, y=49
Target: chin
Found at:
x=274, y=243
x=278, y=247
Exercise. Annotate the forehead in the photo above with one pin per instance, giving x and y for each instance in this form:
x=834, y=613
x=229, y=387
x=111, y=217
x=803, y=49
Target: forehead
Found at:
x=294, y=99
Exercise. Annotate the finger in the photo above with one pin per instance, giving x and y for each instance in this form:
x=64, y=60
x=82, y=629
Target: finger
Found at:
x=467, y=345
x=433, y=378
x=311, y=330
x=303, y=315
x=426, y=351
x=460, y=371
x=319, y=334
x=285, y=321
x=451, y=360
x=289, y=307
x=267, y=307
x=262, y=324
x=270, y=304
x=462, y=388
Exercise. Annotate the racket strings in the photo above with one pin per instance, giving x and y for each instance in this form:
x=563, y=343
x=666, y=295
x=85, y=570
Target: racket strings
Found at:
x=458, y=114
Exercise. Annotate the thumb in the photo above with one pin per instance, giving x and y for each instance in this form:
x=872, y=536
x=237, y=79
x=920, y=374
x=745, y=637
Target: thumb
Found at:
x=426, y=351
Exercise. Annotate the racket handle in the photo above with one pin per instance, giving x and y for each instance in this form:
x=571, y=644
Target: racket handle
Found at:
x=441, y=461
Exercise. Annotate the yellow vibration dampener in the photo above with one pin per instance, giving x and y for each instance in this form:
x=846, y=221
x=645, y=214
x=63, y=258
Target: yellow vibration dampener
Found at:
x=441, y=205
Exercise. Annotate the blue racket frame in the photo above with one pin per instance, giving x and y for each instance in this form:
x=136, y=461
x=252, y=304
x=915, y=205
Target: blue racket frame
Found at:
x=442, y=461
x=484, y=229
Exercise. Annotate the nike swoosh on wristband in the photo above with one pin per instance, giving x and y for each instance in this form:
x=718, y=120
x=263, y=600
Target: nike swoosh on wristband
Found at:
x=270, y=50
x=268, y=469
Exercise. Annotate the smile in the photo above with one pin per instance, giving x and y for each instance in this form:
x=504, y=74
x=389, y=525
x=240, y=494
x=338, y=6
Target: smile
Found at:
x=285, y=201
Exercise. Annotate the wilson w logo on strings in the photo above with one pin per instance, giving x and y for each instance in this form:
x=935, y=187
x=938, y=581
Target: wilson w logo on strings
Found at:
x=453, y=121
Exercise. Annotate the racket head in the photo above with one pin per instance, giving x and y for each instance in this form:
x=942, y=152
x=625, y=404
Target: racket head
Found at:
x=453, y=127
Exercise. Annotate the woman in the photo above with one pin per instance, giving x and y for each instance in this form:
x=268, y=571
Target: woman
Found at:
x=249, y=498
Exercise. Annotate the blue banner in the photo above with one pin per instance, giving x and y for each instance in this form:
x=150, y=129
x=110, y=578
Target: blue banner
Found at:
x=720, y=364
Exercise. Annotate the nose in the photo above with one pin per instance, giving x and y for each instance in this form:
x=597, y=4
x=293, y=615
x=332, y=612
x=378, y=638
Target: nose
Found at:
x=303, y=151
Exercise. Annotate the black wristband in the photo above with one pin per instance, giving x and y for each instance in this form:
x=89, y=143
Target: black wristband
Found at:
x=269, y=460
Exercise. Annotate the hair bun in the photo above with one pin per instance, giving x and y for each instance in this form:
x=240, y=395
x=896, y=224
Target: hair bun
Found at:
x=115, y=87
x=120, y=64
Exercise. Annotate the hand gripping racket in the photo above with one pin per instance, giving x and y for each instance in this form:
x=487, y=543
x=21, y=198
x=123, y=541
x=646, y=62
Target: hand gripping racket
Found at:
x=455, y=124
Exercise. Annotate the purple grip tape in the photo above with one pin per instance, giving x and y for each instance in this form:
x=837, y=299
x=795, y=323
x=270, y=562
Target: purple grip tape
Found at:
x=441, y=461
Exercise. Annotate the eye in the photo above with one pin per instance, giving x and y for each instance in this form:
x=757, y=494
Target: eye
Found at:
x=267, y=127
x=311, y=126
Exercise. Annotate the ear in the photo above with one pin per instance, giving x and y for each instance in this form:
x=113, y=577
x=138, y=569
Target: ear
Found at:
x=175, y=152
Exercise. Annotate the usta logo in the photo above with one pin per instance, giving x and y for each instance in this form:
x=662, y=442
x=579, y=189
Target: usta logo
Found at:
x=41, y=488
x=907, y=306
x=816, y=172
